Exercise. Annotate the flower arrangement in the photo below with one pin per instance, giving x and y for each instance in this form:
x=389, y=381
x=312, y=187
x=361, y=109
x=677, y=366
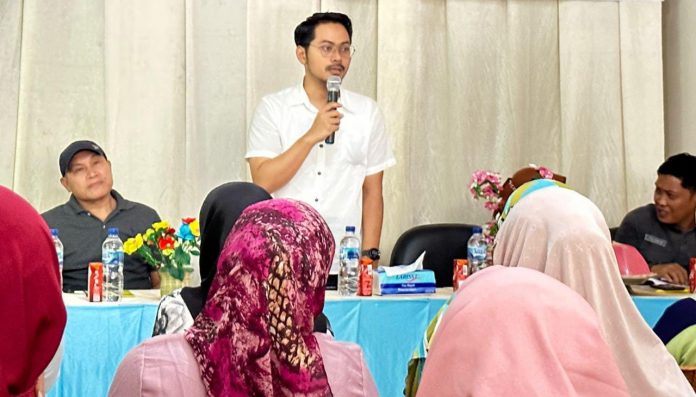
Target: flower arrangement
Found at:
x=487, y=186
x=167, y=249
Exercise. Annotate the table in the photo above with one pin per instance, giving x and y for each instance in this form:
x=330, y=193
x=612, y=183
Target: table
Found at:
x=387, y=328
x=96, y=338
x=652, y=307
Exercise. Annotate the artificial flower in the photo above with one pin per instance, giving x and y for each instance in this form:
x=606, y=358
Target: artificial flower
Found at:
x=195, y=228
x=166, y=250
x=166, y=242
x=160, y=225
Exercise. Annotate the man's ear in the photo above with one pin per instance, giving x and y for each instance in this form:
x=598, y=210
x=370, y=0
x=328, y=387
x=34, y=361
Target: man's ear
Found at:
x=64, y=182
x=301, y=54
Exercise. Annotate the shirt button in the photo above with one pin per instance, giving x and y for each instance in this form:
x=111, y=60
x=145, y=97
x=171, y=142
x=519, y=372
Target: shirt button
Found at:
x=321, y=145
x=319, y=173
x=316, y=200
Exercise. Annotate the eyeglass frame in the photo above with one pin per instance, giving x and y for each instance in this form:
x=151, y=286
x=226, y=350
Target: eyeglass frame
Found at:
x=333, y=47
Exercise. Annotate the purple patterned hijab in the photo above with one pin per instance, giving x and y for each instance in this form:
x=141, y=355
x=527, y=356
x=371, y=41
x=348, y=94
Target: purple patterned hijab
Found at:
x=254, y=334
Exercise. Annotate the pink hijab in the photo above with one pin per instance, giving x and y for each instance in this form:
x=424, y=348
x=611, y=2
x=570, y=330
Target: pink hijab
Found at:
x=563, y=234
x=511, y=332
x=254, y=334
x=30, y=298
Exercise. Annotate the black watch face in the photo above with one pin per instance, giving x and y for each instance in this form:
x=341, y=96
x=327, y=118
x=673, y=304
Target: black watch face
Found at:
x=373, y=254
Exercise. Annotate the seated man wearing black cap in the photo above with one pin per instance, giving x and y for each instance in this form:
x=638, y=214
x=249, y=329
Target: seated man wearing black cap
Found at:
x=92, y=209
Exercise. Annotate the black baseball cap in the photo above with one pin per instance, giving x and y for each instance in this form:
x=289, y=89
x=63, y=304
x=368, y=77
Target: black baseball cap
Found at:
x=67, y=155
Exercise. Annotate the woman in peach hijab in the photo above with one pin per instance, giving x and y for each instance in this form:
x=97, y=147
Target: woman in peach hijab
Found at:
x=517, y=332
x=563, y=234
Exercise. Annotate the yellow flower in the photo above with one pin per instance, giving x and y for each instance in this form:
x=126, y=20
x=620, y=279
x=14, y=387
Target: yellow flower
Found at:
x=160, y=225
x=195, y=228
x=132, y=244
x=149, y=233
x=167, y=251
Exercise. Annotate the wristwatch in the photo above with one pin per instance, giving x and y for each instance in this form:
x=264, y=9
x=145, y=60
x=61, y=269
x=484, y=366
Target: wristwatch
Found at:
x=372, y=253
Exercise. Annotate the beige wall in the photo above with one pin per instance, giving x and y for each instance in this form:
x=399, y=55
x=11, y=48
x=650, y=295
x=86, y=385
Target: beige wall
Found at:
x=679, y=57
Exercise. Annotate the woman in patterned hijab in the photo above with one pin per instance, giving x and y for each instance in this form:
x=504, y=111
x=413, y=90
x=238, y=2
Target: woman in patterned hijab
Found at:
x=254, y=335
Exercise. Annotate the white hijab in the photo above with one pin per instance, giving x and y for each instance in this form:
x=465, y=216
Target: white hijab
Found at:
x=563, y=234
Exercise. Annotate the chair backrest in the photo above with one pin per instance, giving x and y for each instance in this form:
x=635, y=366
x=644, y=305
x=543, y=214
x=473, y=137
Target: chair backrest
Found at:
x=442, y=242
x=612, y=232
x=631, y=262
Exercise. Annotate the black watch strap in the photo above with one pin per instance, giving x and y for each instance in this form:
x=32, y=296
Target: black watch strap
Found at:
x=372, y=253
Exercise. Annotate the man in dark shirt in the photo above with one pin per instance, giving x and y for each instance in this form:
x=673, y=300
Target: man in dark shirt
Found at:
x=92, y=209
x=665, y=232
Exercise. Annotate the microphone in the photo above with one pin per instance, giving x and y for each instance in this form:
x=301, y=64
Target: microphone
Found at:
x=333, y=86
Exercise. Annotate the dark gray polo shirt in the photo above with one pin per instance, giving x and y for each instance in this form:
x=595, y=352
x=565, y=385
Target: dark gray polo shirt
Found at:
x=657, y=242
x=82, y=236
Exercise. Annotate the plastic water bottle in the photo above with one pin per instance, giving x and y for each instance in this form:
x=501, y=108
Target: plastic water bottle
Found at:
x=59, y=252
x=477, y=249
x=112, y=258
x=349, y=255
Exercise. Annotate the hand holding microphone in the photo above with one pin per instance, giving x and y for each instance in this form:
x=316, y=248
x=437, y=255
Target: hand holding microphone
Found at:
x=333, y=88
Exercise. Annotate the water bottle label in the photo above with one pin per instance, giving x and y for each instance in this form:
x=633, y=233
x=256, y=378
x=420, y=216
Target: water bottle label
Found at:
x=478, y=252
x=112, y=257
x=350, y=254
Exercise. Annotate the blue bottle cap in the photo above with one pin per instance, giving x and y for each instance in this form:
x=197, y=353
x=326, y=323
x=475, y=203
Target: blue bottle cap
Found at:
x=350, y=229
x=476, y=229
x=54, y=232
x=113, y=231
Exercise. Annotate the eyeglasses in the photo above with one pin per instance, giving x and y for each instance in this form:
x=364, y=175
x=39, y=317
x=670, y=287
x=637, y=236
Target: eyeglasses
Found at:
x=344, y=50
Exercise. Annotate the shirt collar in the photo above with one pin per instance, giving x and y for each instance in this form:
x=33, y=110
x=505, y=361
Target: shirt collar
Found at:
x=299, y=97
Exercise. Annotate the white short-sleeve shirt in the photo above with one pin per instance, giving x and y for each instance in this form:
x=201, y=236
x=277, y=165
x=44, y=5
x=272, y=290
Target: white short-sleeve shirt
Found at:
x=331, y=177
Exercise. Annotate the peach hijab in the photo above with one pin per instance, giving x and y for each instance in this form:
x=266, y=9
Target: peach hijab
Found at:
x=515, y=331
x=563, y=234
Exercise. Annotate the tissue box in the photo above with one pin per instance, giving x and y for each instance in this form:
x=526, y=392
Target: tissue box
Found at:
x=416, y=282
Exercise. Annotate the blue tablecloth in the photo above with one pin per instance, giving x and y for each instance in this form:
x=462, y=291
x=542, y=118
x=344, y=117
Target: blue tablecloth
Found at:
x=388, y=329
x=96, y=338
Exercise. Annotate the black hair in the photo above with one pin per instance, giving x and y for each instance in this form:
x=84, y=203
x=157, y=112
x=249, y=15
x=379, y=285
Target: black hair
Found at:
x=683, y=167
x=304, y=32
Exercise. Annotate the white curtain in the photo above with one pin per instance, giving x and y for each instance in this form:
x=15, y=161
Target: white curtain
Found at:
x=679, y=38
x=168, y=88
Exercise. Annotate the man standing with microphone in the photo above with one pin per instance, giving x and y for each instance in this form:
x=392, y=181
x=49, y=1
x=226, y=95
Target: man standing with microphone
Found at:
x=331, y=155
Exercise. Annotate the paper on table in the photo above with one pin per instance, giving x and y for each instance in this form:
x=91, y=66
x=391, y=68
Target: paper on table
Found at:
x=403, y=269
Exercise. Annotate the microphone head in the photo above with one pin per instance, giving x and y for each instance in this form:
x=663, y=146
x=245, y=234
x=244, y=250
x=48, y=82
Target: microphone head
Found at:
x=333, y=83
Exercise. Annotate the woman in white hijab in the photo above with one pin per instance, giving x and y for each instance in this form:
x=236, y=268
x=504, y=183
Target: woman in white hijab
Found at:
x=563, y=234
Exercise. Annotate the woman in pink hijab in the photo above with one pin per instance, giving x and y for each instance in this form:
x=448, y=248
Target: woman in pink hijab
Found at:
x=254, y=335
x=563, y=234
x=517, y=332
x=30, y=298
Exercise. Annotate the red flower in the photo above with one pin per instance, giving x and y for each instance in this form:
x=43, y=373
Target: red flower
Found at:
x=171, y=231
x=166, y=242
x=188, y=220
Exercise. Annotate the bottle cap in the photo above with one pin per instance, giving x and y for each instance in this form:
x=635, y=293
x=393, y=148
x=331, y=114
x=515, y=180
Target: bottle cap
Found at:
x=350, y=229
x=365, y=261
x=113, y=231
x=476, y=229
x=54, y=232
